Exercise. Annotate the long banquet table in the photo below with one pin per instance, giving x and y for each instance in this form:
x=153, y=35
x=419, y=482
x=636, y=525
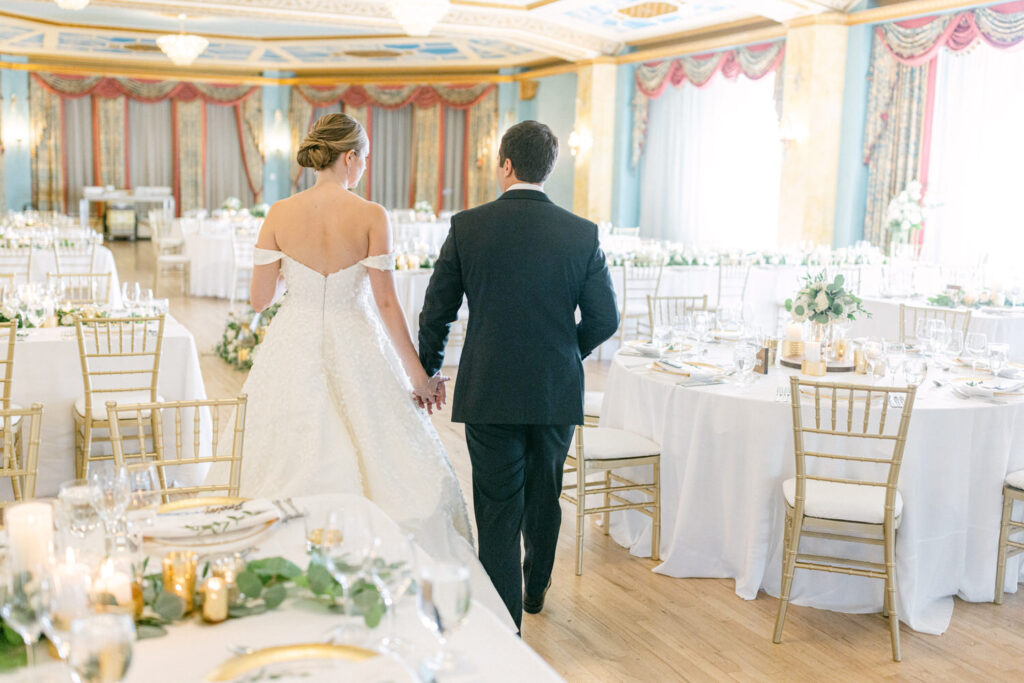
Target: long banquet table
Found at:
x=44, y=261
x=726, y=451
x=47, y=370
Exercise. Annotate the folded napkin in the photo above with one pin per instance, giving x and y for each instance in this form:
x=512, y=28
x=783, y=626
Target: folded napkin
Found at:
x=214, y=520
x=648, y=350
x=1012, y=373
x=978, y=390
x=693, y=371
x=1010, y=387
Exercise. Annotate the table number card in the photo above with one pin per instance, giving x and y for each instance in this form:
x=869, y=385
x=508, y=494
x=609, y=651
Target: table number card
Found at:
x=763, y=360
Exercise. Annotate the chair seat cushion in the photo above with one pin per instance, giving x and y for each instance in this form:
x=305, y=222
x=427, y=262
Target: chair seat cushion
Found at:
x=1016, y=479
x=99, y=402
x=592, y=401
x=846, y=502
x=603, y=443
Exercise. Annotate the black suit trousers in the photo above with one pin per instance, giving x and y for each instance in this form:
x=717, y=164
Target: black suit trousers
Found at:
x=517, y=480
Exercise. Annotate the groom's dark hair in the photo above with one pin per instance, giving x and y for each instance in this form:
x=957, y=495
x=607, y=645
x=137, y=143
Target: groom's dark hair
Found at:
x=532, y=148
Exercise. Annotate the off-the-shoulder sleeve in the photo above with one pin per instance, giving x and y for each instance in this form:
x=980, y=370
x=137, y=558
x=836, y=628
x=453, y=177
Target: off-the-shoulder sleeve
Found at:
x=380, y=262
x=264, y=257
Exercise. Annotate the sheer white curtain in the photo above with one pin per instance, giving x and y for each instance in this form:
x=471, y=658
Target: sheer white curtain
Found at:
x=712, y=165
x=150, y=144
x=391, y=152
x=976, y=155
x=78, y=144
x=225, y=172
x=308, y=176
x=454, y=145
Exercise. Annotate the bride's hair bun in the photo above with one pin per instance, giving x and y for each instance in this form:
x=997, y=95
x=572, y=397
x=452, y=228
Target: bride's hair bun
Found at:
x=331, y=137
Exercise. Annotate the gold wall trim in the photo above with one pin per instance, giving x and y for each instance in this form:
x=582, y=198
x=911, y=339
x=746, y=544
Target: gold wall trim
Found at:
x=698, y=44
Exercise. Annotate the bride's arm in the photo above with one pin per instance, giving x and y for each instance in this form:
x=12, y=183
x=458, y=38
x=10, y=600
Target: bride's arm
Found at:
x=383, y=284
x=267, y=284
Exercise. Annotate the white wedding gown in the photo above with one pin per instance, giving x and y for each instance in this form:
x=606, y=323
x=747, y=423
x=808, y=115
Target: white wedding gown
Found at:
x=330, y=411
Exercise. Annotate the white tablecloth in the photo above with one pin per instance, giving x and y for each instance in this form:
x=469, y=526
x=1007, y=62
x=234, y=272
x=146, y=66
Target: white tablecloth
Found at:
x=47, y=369
x=431, y=235
x=411, y=286
x=44, y=261
x=726, y=451
x=212, y=257
x=1006, y=325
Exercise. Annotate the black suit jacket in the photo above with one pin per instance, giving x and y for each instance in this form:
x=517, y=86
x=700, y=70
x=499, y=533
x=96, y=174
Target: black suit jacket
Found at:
x=525, y=266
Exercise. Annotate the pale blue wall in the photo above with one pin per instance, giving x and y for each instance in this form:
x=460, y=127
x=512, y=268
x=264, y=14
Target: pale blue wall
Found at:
x=275, y=167
x=17, y=160
x=626, y=182
x=555, y=105
x=851, y=193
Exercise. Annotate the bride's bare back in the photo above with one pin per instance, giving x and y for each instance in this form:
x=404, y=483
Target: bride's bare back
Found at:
x=326, y=228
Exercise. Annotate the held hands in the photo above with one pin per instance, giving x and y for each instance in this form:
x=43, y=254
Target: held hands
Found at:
x=431, y=394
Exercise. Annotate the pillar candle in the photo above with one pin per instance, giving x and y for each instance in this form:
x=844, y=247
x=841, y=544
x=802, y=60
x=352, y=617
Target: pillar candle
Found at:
x=30, y=534
x=794, y=332
x=812, y=352
x=116, y=584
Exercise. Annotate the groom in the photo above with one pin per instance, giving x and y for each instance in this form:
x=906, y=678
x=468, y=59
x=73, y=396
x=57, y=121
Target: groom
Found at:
x=525, y=266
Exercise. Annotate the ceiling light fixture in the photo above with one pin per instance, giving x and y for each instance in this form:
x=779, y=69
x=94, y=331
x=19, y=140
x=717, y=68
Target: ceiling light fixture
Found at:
x=182, y=48
x=418, y=17
x=72, y=4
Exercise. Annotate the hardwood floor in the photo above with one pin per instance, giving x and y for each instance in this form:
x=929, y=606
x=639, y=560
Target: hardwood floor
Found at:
x=622, y=622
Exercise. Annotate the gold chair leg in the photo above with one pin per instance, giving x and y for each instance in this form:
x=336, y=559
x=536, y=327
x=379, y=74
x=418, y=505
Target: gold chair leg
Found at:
x=188, y=278
x=86, y=449
x=606, y=516
x=656, y=520
x=890, y=588
x=788, y=568
x=1004, y=536
x=581, y=504
x=156, y=277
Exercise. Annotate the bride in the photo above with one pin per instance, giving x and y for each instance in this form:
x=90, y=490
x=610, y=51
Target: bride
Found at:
x=330, y=407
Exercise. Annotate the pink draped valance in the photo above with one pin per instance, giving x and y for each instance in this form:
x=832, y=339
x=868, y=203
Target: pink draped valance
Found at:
x=916, y=41
x=752, y=61
x=142, y=90
x=397, y=96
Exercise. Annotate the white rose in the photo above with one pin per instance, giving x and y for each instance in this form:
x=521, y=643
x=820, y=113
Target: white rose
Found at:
x=821, y=303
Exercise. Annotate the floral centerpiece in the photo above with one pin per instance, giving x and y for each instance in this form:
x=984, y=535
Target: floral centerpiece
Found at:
x=231, y=204
x=242, y=335
x=259, y=211
x=824, y=303
x=905, y=215
x=424, y=210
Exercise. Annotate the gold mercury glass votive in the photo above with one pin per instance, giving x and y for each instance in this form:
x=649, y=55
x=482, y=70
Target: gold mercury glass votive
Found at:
x=180, y=576
x=792, y=349
x=215, y=600
x=228, y=568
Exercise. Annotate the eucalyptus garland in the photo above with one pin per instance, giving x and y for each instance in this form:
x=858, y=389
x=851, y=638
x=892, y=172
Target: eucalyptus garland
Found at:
x=242, y=334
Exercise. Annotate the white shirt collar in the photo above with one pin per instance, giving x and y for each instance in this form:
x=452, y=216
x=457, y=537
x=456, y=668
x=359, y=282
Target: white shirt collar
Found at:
x=525, y=186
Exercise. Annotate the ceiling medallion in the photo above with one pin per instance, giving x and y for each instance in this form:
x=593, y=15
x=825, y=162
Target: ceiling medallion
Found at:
x=182, y=48
x=418, y=17
x=647, y=10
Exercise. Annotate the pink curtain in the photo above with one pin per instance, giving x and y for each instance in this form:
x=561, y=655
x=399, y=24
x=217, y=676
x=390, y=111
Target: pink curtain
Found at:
x=916, y=41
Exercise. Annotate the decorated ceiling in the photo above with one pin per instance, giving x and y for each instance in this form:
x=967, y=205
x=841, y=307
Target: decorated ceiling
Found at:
x=303, y=35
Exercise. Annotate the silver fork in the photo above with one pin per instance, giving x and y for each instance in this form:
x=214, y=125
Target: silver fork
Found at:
x=783, y=394
x=897, y=400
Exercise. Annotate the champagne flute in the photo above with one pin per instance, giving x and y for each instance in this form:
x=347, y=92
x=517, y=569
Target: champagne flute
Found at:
x=346, y=543
x=101, y=647
x=23, y=604
x=393, y=569
x=443, y=602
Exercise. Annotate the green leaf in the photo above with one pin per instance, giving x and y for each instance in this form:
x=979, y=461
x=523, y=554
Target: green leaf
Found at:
x=800, y=310
x=839, y=280
x=249, y=583
x=320, y=580
x=275, y=595
x=837, y=308
x=106, y=599
x=789, y=305
x=11, y=636
x=169, y=606
x=149, y=630
x=373, y=615
x=273, y=567
x=238, y=611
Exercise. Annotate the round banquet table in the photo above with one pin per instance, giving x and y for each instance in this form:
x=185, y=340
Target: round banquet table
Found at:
x=209, y=248
x=726, y=451
x=485, y=646
x=997, y=324
x=429, y=234
x=44, y=261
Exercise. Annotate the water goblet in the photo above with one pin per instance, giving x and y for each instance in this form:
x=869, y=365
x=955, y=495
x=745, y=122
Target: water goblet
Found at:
x=874, y=354
x=443, y=601
x=744, y=356
x=101, y=647
x=144, y=492
x=393, y=570
x=998, y=357
x=921, y=330
x=915, y=369
x=346, y=544
x=67, y=597
x=976, y=346
x=23, y=604
x=78, y=501
x=954, y=345
x=115, y=492
x=894, y=354
x=935, y=335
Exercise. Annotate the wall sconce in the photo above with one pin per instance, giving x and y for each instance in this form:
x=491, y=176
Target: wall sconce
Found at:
x=279, y=139
x=580, y=141
x=793, y=129
x=15, y=131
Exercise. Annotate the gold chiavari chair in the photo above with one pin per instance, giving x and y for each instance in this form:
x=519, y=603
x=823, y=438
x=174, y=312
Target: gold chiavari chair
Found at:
x=599, y=450
x=82, y=288
x=8, y=333
x=20, y=468
x=243, y=243
x=909, y=315
x=1013, y=490
x=187, y=418
x=6, y=282
x=732, y=285
x=665, y=310
x=638, y=283
x=457, y=334
x=121, y=360
x=162, y=229
x=592, y=402
x=857, y=505
x=75, y=258
x=168, y=260
x=18, y=262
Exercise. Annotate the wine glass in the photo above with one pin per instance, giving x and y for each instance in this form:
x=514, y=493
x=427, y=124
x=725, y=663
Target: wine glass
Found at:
x=954, y=345
x=115, y=492
x=701, y=327
x=976, y=346
x=915, y=369
x=23, y=604
x=79, y=501
x=894, y=354
x=346, y=543
x=936, y=335
x=443, y=602
x=393, y=570
x=744, y=356
x=998, y=357
x=66, y=598
x=873, y=354
x=101, y=647
x=921, y=330
x=144, y=492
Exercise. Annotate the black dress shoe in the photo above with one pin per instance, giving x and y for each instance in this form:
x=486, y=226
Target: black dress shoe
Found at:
x=535, y=605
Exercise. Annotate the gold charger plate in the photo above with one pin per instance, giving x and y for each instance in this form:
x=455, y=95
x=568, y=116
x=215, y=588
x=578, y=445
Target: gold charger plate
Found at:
x=242, y=664
x=668, y=371
x=207, y=541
